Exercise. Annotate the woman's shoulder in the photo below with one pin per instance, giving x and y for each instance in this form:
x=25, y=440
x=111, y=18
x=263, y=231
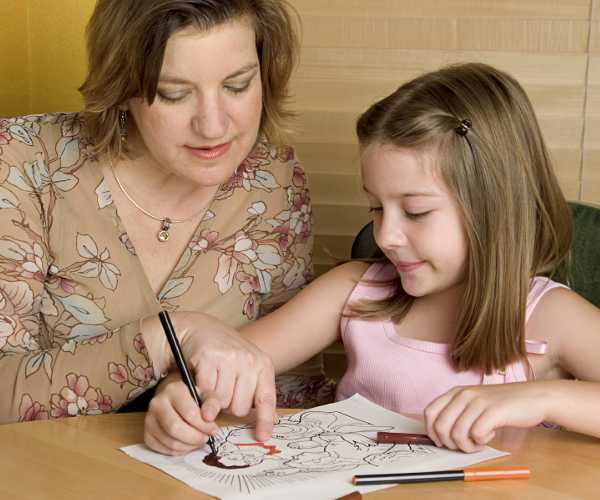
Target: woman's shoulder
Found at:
x=279, y=159
x=27, y=135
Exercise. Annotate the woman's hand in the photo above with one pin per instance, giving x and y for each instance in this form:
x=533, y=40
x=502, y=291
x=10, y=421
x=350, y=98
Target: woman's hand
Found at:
x=230, y=373
x=465, y=418
x=174, y=425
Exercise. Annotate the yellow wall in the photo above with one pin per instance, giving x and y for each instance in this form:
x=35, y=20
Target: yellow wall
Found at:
x=14, y=65
x=42, y=54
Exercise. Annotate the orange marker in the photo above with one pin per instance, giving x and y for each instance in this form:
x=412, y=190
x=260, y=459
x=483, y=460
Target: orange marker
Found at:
x=468, y=474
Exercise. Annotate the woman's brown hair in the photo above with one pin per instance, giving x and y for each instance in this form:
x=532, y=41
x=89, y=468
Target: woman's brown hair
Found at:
x=516, y=219
x=126, y=41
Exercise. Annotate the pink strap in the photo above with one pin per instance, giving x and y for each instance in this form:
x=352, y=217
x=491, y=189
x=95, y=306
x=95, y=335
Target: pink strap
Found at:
x=536, y=346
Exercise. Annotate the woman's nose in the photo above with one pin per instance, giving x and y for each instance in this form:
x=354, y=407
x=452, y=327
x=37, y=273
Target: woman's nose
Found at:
x=211, y=119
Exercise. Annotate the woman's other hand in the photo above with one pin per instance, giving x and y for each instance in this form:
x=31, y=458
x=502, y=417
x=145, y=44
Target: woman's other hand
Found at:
x=174, y=425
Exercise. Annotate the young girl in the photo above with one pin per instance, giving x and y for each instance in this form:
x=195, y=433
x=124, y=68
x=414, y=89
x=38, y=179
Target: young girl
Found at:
x=461, y=319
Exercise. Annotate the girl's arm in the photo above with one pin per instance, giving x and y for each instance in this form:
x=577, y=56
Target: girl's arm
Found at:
x=572, y=326
x=307, y=323
x=466, y=418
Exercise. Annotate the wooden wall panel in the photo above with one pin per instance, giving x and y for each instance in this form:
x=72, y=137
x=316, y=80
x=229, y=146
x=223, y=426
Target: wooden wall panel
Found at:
x=355, y=52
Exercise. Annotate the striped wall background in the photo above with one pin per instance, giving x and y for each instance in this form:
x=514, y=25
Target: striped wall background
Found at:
x=356, y=51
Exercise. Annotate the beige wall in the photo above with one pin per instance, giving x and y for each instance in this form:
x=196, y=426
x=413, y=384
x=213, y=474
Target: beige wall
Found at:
x=355, y=51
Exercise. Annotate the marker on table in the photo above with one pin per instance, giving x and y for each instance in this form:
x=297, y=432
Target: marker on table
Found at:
x=467, y=474
x=404, y=438
x=165, y=321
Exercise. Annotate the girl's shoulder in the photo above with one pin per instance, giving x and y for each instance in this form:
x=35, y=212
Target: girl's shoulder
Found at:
x=539, y=287
x=371, y=281
x=558, y=314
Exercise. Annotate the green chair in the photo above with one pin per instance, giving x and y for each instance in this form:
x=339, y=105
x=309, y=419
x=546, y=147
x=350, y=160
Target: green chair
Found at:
x=585, y=250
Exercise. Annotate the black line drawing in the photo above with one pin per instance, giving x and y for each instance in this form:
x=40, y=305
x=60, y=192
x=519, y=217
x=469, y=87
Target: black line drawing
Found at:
x=303, y=447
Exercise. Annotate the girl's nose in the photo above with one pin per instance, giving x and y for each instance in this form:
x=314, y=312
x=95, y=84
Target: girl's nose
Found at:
x=389, y=233
x=211, y=119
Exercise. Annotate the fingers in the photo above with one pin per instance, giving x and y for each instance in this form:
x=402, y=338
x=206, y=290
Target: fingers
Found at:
x=265, y=402
x=225, y=386
x=174, y=424
x=432, y=411
x=211, y=406
x=450, y=419
x=483, y=429
x=461, y=431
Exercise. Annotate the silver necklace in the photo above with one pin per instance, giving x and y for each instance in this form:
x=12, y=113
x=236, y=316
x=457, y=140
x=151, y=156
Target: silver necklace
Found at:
x=165, y=222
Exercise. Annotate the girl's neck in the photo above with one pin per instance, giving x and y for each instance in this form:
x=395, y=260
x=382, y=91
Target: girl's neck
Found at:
x=433, y=317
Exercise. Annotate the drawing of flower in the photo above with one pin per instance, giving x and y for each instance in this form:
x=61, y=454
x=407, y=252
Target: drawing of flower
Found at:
x=22, y=259
x=79, y=398
x=30, y=410
x=7, y=328
x=97, y=264
x=204, y=241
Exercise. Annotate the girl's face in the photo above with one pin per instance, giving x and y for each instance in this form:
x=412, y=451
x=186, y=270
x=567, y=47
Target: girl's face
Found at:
x=206, y=115
x=417, y=223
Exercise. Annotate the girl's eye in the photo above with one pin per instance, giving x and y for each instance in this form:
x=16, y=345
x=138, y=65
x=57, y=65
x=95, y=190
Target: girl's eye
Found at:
x=237, y=89
x=416, y=215
x=170, y=97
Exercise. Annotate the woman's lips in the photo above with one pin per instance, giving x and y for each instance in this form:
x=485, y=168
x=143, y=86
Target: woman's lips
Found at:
x=210, y=153
x=407, y=267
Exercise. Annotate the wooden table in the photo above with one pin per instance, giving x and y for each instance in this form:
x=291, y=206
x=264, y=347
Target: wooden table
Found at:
x=78, y=458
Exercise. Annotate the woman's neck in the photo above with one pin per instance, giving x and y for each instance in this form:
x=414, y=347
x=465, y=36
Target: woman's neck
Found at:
x=159, y=191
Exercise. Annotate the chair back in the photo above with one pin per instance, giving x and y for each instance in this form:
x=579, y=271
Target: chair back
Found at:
x=585, y=251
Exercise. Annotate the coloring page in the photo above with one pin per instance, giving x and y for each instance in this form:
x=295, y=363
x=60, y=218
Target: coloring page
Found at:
x=316, y=451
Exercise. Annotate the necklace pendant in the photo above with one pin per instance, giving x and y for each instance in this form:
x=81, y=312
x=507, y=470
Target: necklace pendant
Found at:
x=163, y=234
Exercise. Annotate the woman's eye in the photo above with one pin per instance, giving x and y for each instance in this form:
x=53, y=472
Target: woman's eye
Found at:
x=237, y=89
x=170, y=97
x=375, y=209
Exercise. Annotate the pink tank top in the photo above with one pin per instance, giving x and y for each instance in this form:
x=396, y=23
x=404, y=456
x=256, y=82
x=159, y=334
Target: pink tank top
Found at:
x=405, y=374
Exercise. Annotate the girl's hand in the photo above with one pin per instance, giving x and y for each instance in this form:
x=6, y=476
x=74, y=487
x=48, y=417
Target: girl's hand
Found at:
x=465, y=418
x=174, y=425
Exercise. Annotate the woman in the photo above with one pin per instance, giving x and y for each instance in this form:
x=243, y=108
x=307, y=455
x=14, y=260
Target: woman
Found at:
x=165, y=193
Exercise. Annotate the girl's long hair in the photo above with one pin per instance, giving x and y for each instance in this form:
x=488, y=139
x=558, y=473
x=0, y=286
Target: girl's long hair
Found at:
x=517, y=221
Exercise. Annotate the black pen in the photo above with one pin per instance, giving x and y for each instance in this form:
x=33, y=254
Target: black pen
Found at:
x=165, y=321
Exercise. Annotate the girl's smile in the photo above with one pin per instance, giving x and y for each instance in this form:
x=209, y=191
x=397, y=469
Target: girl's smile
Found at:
x=416, y=222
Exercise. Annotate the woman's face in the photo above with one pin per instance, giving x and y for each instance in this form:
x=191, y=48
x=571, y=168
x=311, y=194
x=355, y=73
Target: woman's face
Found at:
x=206, y=115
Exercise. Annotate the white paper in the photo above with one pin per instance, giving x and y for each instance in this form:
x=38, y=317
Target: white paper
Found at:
x=314, y=453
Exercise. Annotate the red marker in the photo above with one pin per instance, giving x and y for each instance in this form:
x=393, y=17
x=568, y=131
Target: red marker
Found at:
x=468, y=474
x=403, y=438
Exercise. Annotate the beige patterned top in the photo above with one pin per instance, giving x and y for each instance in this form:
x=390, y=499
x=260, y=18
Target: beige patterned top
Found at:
x=72, y=290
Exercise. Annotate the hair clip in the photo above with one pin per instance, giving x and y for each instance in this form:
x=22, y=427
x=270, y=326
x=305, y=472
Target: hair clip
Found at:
x=464, y=127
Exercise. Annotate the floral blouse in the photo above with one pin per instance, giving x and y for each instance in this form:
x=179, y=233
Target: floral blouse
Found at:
x=73, y=291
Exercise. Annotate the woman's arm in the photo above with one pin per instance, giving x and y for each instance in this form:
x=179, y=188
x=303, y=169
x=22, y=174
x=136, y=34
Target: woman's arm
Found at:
x=307, y=323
